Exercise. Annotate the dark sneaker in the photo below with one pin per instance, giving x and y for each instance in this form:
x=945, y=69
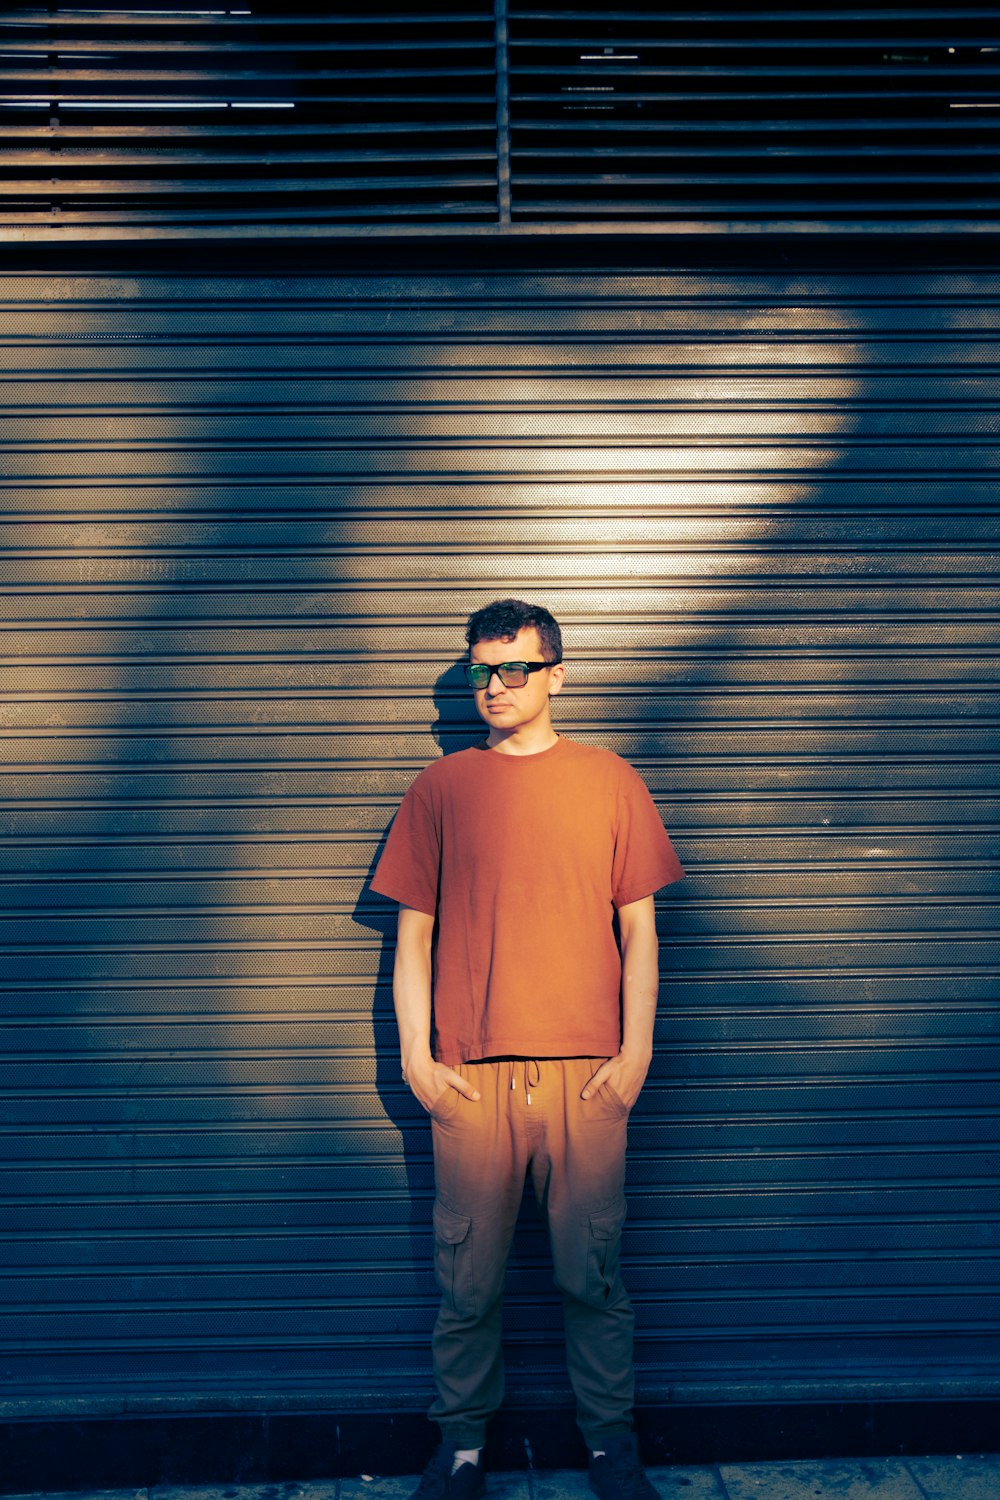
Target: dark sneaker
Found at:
x=617, y=1474
x=468, y=1481
x=437, y=1482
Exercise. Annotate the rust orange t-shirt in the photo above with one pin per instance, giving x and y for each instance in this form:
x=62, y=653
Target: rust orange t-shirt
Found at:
x=523, y=860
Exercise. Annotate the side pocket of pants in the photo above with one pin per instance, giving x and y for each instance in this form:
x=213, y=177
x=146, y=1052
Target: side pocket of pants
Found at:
x=604, y=1253
x=453, y=1243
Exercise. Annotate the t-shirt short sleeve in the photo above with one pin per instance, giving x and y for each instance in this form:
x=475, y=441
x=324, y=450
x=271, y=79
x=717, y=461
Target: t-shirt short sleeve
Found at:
x=408, y=870
x=644, y=858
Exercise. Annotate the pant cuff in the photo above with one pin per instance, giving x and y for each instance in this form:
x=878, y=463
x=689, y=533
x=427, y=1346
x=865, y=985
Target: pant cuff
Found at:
x=596, y=1437
x=463, y=1435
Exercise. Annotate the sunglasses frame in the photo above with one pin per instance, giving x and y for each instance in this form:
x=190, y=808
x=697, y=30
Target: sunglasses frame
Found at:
x=525, y=666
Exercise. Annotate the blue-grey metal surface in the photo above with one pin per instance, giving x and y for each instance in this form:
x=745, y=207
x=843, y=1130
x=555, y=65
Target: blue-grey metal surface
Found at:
x=245, y=520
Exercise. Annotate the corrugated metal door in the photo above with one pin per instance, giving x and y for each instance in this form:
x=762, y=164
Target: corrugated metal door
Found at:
x=246, y=519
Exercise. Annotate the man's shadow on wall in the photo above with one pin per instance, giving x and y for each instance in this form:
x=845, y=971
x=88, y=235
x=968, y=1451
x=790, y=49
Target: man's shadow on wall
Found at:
x=455, y=727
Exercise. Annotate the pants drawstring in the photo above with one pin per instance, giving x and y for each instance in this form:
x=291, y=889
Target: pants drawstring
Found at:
x=531, y=1076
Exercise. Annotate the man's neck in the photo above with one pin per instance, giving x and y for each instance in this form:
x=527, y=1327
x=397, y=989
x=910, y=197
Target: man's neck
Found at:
x=521, y=742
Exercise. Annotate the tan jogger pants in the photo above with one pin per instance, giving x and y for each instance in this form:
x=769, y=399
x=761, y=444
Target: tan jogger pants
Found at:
x=530, y=1118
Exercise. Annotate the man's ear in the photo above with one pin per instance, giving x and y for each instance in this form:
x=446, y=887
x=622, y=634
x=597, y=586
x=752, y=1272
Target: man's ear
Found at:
x=557, y=677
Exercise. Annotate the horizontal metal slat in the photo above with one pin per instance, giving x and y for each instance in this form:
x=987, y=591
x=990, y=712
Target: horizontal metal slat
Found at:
x=708, y=1106
x=125, y=48
x=754, y=1029
x=593, y=290
x=818, y=959
x=223, y=855
x=669, y=531
x=722, y=602
x=82, y=642
x=697, y=1004
x=945, y=1065
x=46, y=681
x=829, y=53
x=629, y=320
x=39, y=801
x=526, y=1279
x=87, y=156
x=430, y=462
x=669, y=566
x=59, y=183
x=792, y=395
x=60, y=1145
x=945, y=898
x=757, y=499
x=770, y=354
x=769, y=707
x=273, y=921
x=257, y=429
x=286, y=748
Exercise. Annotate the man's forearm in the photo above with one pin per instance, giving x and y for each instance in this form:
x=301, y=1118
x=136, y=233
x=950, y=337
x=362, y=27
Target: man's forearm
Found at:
x=411, y=986
x=626, y=1072
x=640, y=989
x=411, y=994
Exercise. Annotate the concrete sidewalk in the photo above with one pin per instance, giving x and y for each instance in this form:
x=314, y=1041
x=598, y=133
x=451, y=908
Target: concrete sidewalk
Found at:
x=950, y=1477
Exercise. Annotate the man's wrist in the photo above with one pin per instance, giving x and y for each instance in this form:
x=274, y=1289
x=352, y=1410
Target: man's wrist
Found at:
x=412, y=1061
x=633, y=1052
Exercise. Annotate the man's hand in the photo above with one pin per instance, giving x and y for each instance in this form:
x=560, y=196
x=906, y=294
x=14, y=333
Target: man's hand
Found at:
x=625, y=1074
x=429, y=1079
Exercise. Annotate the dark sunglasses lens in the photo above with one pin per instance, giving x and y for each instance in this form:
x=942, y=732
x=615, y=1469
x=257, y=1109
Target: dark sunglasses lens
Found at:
x=478, y=675
x=513, y=676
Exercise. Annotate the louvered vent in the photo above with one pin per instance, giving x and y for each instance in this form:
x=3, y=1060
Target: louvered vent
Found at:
x=457, y=115
x=152, y=115
x=872, y=114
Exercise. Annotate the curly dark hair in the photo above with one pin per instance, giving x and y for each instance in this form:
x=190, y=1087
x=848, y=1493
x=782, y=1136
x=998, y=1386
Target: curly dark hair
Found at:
x=501, y=621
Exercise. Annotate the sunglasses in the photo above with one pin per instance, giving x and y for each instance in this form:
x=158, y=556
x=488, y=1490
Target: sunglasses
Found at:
x=513, y=674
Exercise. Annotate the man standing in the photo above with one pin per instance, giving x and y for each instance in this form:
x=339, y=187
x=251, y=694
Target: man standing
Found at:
x=526, y=1031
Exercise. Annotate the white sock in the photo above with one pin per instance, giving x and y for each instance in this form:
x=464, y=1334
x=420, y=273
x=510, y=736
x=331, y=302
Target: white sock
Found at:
x=465, y=1456
x=597, y=1453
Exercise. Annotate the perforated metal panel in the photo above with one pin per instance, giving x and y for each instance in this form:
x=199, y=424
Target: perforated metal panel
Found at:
x=246, y=518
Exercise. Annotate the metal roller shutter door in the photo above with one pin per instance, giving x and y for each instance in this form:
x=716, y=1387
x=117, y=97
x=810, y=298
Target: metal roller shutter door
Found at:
x=246, y=518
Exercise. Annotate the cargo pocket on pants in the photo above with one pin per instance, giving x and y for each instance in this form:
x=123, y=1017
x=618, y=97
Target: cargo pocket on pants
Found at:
x=453, y=1259
x=604, y=1253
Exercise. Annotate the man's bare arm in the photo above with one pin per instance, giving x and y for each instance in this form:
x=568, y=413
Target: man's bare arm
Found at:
x=411, y=993
x=626, y=1073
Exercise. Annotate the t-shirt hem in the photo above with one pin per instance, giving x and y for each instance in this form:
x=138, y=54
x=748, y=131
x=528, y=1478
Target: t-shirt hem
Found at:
x=451, y=1053
x=404, y=898
x=640, y=892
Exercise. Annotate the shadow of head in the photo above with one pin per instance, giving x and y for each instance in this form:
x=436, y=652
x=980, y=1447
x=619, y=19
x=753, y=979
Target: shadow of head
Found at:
x=457, y=724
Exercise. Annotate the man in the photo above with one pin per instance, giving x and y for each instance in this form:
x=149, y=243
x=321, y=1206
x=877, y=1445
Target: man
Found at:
x=526, y=1032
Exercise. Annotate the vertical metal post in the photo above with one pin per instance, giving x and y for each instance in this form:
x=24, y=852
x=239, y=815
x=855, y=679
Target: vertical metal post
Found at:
x=503, y=110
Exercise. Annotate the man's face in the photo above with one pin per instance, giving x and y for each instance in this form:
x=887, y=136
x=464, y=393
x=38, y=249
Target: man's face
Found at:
x=507, y=709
